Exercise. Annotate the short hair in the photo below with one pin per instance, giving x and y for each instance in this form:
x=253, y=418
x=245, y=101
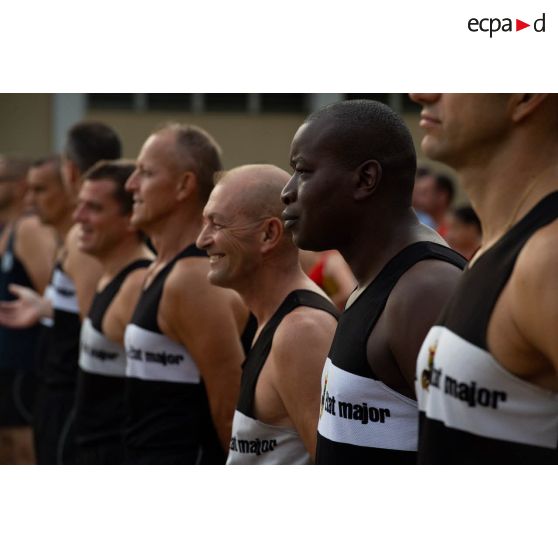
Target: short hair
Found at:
x=445, y=184
x=54, y=160
x=371, y=130
x=16, y=166
x=89, y=142
x=118, y=172
x=198, y=151
x=466, y=214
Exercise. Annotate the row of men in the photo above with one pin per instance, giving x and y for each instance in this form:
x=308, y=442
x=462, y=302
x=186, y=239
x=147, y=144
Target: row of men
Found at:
x=163, y=345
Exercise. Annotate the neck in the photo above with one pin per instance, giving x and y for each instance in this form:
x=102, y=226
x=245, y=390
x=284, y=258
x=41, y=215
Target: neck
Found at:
x=505, y=190
x=390, y=235
x=171, y=234
x=63, y=226
x=121, y=255
x=268, y=287
x=10, y=213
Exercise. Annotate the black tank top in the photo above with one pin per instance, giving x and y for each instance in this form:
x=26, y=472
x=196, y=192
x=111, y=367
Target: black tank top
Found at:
x=17, y=346
x=167, y=406
x=60, y=338
x=102, y=371
x=473, y=410
x=254, y=442
x=362, y=420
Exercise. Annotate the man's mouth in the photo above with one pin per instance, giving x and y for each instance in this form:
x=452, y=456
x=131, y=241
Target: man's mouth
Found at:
x=289, y=220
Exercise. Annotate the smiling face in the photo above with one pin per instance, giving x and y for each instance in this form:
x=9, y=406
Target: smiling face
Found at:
x=103, y=225
x=230, y=236
x=462, y=128
x=318, y=195
x=155, y=180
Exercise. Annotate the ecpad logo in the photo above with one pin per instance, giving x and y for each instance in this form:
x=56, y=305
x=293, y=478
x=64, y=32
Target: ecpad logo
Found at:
x=493, y=25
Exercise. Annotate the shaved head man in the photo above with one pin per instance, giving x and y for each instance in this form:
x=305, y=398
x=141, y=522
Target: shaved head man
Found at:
x=353, y=172
x=487, y=373
x=277, y=412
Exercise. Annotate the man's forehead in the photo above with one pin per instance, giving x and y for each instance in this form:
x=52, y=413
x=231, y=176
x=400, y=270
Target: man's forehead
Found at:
x=316, y=135
x=158, y=143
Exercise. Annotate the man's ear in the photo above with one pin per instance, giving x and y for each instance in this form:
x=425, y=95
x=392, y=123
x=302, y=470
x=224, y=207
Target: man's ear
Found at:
x=186, y=186
x=369, y=176
x=271, y=234
x=523, y=104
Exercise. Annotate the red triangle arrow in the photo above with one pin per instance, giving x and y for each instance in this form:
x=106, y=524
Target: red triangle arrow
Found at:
x=519, y=25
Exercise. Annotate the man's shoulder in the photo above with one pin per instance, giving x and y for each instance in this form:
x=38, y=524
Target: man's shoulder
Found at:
x=537, y=263
x=427, y=278
x=301, y=328
x=29, y=227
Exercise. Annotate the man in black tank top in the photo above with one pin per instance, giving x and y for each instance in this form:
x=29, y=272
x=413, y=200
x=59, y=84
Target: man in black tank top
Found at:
x=103, y=214
x=353, y=173
x=183, y=342
x=27, y=250
x=487, y=374
x=66, y=301
x=277, y=412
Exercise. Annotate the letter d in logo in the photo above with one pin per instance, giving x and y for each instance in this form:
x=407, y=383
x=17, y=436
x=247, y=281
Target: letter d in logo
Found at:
x=539, y=28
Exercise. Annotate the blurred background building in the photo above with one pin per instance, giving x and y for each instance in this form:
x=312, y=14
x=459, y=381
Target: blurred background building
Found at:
x=250, y=127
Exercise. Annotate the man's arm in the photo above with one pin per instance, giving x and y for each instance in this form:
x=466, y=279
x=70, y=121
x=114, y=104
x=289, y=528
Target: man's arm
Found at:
x=84, y=270
x=534, y=296
x=35, y=246
x=412, y=309
x=199, y=316
x=300, y=347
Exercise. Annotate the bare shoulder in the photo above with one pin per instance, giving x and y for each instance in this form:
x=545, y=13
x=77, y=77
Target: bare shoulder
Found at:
x=303, y=330
x=537, y=263
x=135, y=279
x=189, y=275
x=31, y=224
x=427, y=283
x=30, y=230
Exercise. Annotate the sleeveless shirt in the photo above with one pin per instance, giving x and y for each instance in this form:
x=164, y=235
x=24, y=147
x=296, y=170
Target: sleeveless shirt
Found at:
x=17, y=346
x=254, y=442
x=362, y=420
x=102, y=370
x=60, y=336
x=473, y=410
x=166, y=402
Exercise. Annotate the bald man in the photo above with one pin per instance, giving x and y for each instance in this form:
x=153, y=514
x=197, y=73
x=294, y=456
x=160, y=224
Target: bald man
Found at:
x=277, y=412
x=353, y=172
x=184, y=351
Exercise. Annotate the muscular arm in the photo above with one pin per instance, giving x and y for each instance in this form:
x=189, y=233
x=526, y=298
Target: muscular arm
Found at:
x=414, y=305
x=534, y=298
x=300, y=347
x=200, y=317
x=35, y=246
x=84, y=270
